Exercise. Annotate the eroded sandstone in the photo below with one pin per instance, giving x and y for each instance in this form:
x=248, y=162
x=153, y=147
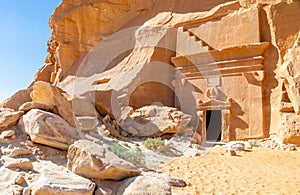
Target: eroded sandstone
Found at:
x=96, y=161
x=213, y=70
x=9, y=117
x=48, y=129
x=154, y=121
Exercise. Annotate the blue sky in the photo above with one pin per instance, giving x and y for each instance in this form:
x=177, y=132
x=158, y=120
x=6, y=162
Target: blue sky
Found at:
x=24, y=33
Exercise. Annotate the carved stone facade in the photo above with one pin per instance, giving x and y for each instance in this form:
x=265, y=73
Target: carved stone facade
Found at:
x=226, y=75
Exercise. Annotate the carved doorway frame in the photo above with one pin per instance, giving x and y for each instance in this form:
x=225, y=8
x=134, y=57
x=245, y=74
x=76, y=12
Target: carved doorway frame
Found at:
x=225, y=108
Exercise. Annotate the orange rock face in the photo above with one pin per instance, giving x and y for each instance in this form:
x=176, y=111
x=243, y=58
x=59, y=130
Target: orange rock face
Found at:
x=51, y=96
x=290, y=99
x=17, y=99
x=187, y=73
x=225, y=55
x=231, y=65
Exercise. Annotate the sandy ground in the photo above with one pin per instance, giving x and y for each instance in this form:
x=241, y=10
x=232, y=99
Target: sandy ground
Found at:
x=260, y=171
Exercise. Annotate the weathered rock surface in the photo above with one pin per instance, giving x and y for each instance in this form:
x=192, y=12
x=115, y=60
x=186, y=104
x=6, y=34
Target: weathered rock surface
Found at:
x=129, y=76
x=289, y=133
x=290, y=74
x=9, y=117
x=44, y=73
x=110, y=127
x=85, y=113
x=7, y=134
x=275, y=143
x=124, y=14
x=151, y=183
x=96, y=161
x=18, y=163
x=126, y=75
x=17, y=99
x=124, y=55
x=82, y=106
x=47, y=73
x=155, y=121
x=7, y=180
x=86, y=123
x=35, y=105
x=52, y=96
x=123, y=74
x=48, y=129
x=44, y=176
x=58, y=180
x=19, y=152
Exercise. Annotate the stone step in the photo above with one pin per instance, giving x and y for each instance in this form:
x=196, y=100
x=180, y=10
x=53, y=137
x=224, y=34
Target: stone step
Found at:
x=196, y=38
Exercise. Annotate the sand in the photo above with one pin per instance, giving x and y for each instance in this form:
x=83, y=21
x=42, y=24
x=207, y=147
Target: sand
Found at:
x=260, y=171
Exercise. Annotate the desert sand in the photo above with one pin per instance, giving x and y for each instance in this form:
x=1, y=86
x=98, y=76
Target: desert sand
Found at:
x=259, y=171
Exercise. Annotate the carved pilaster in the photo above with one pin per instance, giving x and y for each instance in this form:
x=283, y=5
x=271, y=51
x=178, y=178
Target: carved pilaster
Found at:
x=225, y=125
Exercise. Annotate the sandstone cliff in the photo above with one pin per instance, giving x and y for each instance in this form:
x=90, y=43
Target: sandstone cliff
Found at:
x=120, y=72
x=118, y=53
x=123, y=63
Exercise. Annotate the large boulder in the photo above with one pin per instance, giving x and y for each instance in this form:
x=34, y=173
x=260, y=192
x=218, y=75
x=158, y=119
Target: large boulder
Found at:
x=17, y=99
x=58, y=180
x=86, y=123
x=52, y=96
x=82, y=106
x=35, y=105
x=48, y=129
x=9, y=117
x=151, y=183
x=154, y=120
x=91, y=160
x=85, y=113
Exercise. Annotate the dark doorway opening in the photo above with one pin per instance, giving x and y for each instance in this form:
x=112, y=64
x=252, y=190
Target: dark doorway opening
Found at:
x=213, y=125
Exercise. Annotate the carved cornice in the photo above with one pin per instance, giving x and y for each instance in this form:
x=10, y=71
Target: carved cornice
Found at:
x=225, y=62
x=215, y=105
